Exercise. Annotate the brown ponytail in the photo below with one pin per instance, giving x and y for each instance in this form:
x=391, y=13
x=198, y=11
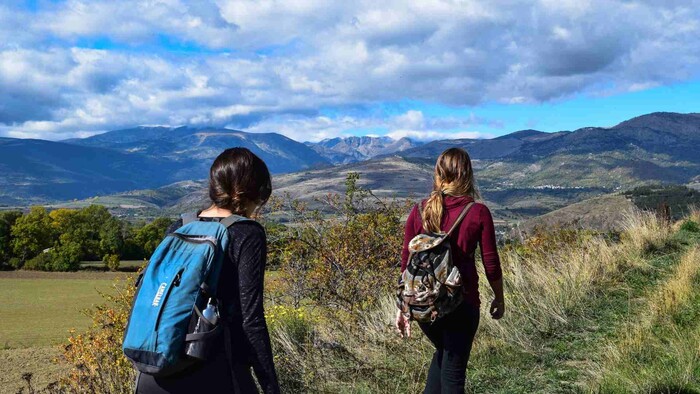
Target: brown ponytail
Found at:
x=453, y=177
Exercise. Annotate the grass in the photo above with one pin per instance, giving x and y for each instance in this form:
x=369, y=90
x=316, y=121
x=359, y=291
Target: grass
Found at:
x=39, y=310
x=659, y=351
x=587, y=315
x=39, y=361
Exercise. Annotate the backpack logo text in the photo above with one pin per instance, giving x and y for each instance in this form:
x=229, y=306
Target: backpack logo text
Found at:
x=159, y=294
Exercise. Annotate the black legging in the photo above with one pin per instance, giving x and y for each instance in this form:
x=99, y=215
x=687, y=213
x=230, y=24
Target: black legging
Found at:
x=452, y=336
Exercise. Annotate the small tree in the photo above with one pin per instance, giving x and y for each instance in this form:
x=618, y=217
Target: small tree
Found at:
x=7, y=220
x=32, y=233
x=346, y=262
x=93, y=228
x=150, y=235
x=66, y=257
x=111, y=262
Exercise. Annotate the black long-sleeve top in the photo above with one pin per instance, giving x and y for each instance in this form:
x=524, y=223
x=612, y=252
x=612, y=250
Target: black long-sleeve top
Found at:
x=241, y=287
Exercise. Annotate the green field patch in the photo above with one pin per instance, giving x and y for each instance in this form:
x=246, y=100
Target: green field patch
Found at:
x=39, y=308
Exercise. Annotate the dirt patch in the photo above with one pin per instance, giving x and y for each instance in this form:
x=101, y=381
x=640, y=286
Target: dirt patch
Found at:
x=41, y=362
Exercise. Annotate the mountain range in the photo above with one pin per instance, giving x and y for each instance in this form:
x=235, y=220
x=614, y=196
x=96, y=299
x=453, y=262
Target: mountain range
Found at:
x=527, y=169
x=353, y=149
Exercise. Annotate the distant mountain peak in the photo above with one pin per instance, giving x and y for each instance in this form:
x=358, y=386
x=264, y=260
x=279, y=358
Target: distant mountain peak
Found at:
x=522, y=134
x=342, y=150
x=656, y=119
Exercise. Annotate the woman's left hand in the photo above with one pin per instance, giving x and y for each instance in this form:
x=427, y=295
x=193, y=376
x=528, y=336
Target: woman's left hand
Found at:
x=498, y=307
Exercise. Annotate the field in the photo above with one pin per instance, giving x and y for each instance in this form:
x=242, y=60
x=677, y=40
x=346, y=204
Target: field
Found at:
x=38, y=310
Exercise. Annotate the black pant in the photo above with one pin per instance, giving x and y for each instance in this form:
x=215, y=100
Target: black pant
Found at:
x=452, y=336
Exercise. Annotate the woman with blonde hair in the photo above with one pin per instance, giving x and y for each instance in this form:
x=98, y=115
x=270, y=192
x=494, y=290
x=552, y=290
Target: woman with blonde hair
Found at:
x=452, y=335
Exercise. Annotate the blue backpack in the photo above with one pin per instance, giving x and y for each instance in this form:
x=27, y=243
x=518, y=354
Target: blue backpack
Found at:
x=171, y=293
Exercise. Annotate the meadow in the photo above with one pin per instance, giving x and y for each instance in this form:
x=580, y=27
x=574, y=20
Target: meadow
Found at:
x=38, y=310
x=43, y=308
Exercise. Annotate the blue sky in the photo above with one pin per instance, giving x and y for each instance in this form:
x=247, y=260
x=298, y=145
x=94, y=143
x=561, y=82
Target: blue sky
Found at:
x=313, y=69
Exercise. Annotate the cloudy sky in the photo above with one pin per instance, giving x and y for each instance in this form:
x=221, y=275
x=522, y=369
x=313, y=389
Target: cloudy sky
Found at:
x=313, y=69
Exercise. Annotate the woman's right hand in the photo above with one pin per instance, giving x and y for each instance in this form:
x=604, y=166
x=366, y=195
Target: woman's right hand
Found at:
x=403, y=325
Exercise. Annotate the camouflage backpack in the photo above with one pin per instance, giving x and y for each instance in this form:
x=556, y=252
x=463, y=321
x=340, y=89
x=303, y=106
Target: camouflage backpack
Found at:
x=430, y=287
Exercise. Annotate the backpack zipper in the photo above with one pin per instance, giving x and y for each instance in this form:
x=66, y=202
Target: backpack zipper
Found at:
x=197, y=239
x=173, y=283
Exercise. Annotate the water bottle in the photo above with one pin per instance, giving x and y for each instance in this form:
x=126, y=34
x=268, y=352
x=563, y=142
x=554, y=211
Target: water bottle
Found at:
x=211, y=313
x=198, y=349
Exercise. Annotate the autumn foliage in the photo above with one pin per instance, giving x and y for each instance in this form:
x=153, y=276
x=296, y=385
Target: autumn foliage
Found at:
x=345, y=260
x=97, y=364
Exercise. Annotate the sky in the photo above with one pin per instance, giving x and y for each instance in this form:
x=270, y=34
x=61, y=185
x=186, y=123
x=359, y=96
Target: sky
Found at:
x=320, y=69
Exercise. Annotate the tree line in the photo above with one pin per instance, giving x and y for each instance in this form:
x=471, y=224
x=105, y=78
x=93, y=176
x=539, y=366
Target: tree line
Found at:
x=60, y=239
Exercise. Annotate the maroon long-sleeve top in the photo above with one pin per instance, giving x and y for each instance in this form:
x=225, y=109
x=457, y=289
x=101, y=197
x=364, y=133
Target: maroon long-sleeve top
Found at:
x=476, y=228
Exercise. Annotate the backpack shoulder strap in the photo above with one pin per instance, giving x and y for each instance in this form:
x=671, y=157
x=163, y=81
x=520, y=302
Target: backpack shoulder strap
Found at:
x=229, y=221
x=188, y=217
x=460, y=218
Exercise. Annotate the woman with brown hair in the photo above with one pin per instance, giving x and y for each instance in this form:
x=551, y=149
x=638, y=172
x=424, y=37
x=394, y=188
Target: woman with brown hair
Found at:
x=452, y=335
x=239, y=184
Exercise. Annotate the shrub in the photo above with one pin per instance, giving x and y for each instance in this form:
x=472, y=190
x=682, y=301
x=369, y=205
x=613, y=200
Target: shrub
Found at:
x=41, y=262
x=345, y=263
x=96, y=362
x=111, y=262
x=15, y=263
x=690, y=226
x=66, y=257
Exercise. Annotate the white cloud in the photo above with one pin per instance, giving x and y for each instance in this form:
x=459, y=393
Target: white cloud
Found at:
x=259, y=64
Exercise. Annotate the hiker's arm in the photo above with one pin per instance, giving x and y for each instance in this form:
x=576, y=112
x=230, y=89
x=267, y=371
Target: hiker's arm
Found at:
x=251, y=272
x=491, y=261
x=409, y=233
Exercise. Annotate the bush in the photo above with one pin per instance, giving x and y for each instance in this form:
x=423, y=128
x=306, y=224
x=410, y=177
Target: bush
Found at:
x=347, y=263
x=15, y=263
x=61, y=258
x=66, y=257
x=95, y=357
x=690, y=226
x=41, y=262
x=111, y=262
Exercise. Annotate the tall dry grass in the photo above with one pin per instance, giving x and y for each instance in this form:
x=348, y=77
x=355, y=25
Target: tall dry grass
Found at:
x=655, y=352
x=644, y=232
x=694, y=214
x=548, y=285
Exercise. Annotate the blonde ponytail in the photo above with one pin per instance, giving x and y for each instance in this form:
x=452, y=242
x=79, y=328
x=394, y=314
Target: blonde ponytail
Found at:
x=433, y=211
x=453, y=176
